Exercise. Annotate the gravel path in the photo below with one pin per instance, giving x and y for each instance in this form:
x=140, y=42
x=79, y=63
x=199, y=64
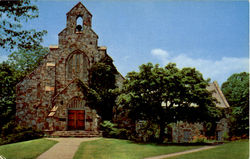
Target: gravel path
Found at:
x=64, y=149
x=181, y=153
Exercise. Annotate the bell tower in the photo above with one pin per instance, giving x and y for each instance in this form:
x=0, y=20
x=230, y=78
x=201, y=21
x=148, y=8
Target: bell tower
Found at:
x=78, y=19
x=78, y=28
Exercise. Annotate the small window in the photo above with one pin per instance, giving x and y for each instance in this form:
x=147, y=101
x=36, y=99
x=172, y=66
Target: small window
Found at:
x=79, y=24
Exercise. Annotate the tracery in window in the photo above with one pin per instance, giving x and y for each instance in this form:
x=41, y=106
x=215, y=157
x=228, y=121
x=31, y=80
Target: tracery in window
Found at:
x=76, y=102
x=77, y=66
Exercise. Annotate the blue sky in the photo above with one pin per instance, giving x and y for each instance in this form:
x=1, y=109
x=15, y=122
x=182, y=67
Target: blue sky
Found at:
x=210, y=36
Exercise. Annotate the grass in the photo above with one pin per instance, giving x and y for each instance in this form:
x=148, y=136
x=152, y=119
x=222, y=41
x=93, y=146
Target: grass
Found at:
x=27, y=149
x=123, y=149
x=232, y=150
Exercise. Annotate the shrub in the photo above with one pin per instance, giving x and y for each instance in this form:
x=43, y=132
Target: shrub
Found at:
x=15, y=133
x=234, y=138
x=225, y=136
x=110, y=130
x=199, y=139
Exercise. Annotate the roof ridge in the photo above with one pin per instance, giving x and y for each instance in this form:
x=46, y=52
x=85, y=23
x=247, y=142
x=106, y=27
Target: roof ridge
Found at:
x=79, y=3
x=221, y=93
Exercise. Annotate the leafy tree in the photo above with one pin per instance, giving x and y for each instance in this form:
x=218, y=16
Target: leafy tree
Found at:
x=9, y=77
x=26, y=60
x=13, y=14
x=236, y=91
x=184, y=92
x=103, y=82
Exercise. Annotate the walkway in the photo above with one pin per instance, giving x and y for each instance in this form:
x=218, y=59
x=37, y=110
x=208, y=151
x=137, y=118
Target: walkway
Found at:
x=181, y=153
x=64, y=149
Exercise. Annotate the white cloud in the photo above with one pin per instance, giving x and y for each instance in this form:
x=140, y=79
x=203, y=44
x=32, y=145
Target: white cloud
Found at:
x=162, y=54
x=218, y=70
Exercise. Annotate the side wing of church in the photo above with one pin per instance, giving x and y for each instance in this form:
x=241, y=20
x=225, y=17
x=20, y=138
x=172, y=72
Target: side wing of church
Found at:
x=49, y=99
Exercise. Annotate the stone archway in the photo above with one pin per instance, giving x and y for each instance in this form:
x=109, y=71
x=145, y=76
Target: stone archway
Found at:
x=76, y=114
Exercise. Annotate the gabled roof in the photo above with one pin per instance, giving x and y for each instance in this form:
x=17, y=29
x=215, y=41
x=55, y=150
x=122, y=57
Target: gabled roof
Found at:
x=77, y=5
x=217, y=93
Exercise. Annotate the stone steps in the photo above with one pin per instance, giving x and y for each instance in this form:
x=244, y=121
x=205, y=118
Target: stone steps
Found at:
x=79, y=133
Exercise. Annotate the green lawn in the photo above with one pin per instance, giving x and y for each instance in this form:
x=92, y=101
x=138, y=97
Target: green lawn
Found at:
x=123, y=149
x=232, y=150
x=27, y=149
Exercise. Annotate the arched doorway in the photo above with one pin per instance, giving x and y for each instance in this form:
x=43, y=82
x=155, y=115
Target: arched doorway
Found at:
x=76, y=114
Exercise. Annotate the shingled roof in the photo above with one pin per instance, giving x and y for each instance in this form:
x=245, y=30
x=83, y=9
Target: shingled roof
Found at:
x=217, y=93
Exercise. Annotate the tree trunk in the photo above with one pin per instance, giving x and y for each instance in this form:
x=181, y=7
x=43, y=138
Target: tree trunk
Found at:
x=162, y=130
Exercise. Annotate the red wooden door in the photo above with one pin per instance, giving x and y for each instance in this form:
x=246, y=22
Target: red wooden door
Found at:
x=76, y=119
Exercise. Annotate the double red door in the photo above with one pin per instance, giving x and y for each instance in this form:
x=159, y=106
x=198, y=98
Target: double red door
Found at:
x=76, y=119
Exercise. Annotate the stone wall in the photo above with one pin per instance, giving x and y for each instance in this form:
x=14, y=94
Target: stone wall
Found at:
x=185, y=132
x=222, y=129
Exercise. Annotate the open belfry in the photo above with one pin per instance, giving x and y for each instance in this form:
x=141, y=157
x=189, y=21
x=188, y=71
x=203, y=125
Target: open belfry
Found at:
x=49, y=98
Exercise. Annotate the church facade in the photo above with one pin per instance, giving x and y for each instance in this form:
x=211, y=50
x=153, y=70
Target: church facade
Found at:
x=49, y=98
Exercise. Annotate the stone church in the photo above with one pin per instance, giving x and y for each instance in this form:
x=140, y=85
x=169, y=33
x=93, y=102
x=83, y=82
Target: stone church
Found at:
x=49, y=99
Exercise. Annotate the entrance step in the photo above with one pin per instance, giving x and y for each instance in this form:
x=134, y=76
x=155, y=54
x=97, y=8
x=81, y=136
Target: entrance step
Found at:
x=79, y=133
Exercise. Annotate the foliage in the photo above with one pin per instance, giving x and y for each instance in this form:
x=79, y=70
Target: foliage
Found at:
x=91, y=95
x=200, y=139
x=183, y=91
x=27, y=149
x=210, y=127
x=26, y=60
x=15, y=133
x=13, y=14
x=123, y=149
x=103, y=82
x=9, y=77
x=110, y=130
x=236, y=91
x=225, y=136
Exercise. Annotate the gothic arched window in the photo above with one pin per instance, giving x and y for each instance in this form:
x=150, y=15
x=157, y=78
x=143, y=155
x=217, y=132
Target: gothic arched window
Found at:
x=79, y=24
x=77, y=66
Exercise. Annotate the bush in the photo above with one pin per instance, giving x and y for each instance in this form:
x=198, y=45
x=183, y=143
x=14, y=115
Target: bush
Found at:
x=110, y=130
x=15, y=133
x=200, y=139
x=225, y=136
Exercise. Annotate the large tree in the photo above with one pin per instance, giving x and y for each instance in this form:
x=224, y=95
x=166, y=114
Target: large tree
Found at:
x=9, y=77
x=103, y=82
x=101, y=91
x=26, y=60
x=183, y=91
x=236, y=91
x=13, y=14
